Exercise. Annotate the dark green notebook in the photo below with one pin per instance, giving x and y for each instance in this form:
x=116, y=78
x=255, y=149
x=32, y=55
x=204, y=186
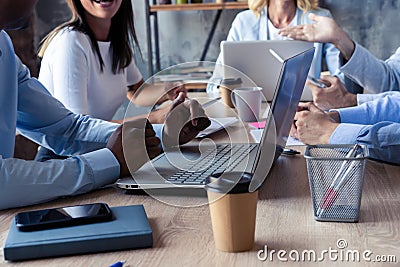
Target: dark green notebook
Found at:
x=129, y=229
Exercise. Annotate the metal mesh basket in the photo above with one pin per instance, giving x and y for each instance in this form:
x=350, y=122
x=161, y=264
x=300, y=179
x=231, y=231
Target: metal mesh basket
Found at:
x=336, y=175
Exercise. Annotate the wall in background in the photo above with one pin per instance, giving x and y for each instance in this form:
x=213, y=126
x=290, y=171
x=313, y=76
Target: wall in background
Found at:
x=49, y=14
x=372, y=23
x=183, y=34
x=24, y=46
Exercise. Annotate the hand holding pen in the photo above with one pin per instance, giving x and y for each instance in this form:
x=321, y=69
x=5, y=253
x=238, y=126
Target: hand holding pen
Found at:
x=312, y=125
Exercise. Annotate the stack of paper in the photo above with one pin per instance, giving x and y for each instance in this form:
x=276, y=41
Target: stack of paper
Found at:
x=216, y=125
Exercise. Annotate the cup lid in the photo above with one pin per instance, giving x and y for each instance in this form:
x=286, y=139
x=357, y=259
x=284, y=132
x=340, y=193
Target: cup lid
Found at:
x=229, y=182
x=230, y=81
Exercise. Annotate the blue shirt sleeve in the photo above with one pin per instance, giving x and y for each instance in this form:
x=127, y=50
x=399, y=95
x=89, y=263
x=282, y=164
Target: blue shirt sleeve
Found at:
x=382, y=139
x=382, y=109
x=363, y=98
x=45, y=120
x=26, y=104
x=30, y=182
x=375, y=124
x=372, y=73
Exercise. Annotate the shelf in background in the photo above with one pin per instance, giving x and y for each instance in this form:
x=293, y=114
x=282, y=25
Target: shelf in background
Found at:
x=152, y=11
x=201, y=6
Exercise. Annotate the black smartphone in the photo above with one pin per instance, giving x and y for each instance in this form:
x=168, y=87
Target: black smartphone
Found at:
x=316, y=82
x=63, y=217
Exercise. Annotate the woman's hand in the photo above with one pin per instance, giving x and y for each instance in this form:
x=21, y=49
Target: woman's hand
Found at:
x=324, y=30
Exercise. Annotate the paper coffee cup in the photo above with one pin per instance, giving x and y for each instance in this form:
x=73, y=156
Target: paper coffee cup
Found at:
x=233, y=210
x=226, y=87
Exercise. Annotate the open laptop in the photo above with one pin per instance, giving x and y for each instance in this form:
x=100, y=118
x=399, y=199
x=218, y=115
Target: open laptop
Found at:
x=253, y=59
x=189, y=165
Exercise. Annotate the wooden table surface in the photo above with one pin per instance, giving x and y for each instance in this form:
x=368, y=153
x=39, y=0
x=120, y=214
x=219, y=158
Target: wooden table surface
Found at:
x=183, y=236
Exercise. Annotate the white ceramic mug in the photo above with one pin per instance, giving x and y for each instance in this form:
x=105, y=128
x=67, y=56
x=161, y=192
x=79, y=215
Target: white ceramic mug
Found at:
x=247, y=101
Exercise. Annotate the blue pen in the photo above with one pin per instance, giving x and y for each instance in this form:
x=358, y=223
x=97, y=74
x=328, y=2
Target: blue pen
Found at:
x=118, y=264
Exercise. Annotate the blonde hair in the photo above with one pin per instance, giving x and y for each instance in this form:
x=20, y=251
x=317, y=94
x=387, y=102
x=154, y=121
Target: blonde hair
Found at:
x=305, y=5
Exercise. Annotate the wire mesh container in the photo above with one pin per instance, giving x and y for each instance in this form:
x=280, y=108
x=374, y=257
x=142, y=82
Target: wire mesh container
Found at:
x=336, y=175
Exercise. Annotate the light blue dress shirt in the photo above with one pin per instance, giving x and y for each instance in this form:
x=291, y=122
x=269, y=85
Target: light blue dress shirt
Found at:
x=373, y=74
x=375, y=124
x=27, y=106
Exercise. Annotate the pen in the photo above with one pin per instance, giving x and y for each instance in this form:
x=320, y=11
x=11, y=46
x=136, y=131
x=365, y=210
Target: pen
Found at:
x=331, y=193
x=316, y=82
x=118, y=264
x=343, y=181
x=335, y=191
x=209, y=103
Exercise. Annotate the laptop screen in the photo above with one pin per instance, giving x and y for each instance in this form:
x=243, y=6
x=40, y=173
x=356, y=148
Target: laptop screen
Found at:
x=291, y=84
x=284, y=104
x=253, y=59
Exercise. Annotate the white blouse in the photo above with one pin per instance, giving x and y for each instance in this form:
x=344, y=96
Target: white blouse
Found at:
x=70, y=70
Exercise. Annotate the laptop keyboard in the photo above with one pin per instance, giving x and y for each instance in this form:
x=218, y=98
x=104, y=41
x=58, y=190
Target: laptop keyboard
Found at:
x=224, y=158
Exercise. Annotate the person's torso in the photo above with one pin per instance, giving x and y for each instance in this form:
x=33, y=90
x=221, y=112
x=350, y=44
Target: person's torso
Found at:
x=106, y=90
x=272, y=31
x=253, y=28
